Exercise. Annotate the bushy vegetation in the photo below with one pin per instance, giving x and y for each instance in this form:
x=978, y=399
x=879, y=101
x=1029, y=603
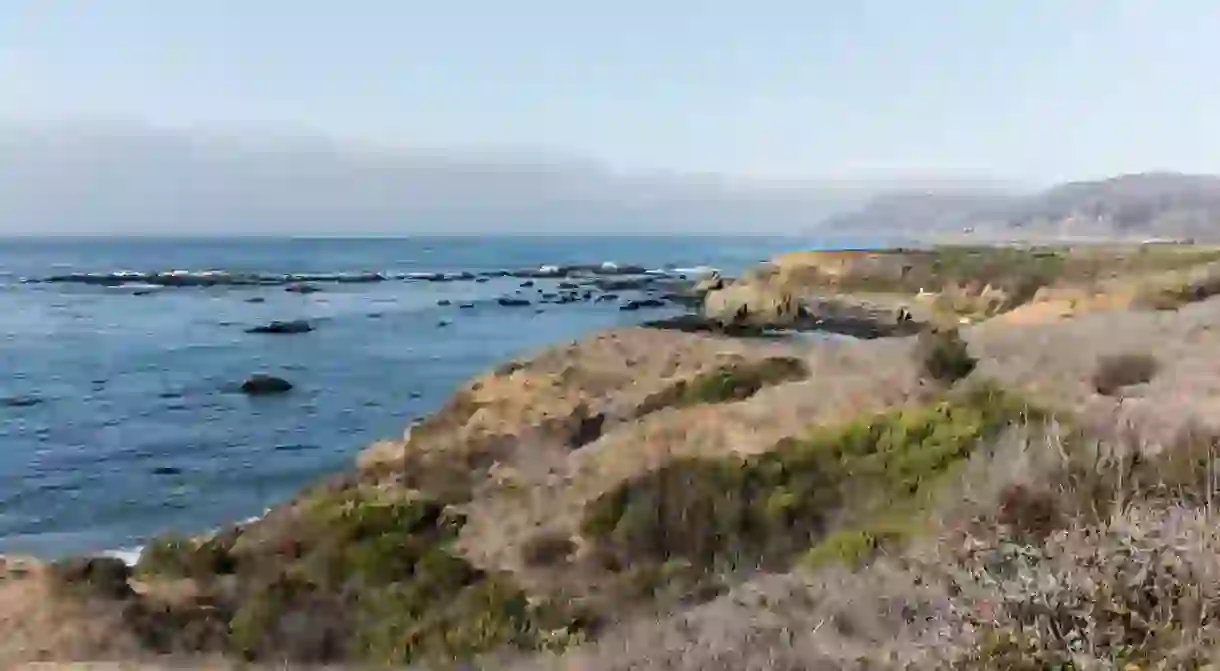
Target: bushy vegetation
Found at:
x=1114, y=372
x=179, y=557
x=731, y=382
x=943, y=355
x=1177, y=294
x=864, y=479
x=355, y=575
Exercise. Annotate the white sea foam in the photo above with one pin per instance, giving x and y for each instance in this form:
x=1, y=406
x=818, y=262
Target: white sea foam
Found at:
x=130, y=556
x=697, y=270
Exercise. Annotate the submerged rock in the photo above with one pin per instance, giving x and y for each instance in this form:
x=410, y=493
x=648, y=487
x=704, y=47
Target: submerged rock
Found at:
x=302, y=289
x=20, y=401
x=509, y=302
x=287, y=327
x=257, y=385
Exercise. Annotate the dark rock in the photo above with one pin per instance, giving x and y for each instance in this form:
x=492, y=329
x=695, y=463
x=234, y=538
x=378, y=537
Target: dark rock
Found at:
x=443, y=323
x=624, y=284
x=294, y=447
x=642, y=303
x=693, y=323
x=587, y=430
x=444, y=302
x=257, y=385
x=302, y=289
x=466, y=306
x=606, y=298
x=95, y=576
x=143, y=292
x=509, y=302
x=374, y=315
x=256, y=299
x=569, y=285
x=539, y=311
x=288, y=327
x=166, y=470
x=20, y=401
x=527, y=284
x=549, y=296
x=482, y=280
x=687, y=300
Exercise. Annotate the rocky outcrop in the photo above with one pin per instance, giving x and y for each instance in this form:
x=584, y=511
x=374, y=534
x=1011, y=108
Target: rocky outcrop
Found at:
x=755, y=305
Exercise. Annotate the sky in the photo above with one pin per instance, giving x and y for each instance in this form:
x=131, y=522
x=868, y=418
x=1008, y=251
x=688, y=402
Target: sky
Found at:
x=1037, y=90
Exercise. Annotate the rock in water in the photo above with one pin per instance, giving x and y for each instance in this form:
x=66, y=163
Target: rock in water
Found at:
x=20, y=401
x=509, y=302
x=294, y=326
x=644, y=303
x=257, y=385
x=302, y=289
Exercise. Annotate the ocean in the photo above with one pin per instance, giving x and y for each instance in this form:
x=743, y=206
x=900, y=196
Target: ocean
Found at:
x=118, y=414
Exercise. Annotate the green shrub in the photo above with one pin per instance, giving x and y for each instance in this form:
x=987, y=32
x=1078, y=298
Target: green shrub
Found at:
x=178, y=557
x=1123, y=370
x=398, y=626
x=731, y=382
x=944, y=356
x=734, y=513
x=362, y=576
x=850, y=548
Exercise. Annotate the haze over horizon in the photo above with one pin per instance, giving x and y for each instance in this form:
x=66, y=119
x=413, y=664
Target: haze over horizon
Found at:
x=692, y=115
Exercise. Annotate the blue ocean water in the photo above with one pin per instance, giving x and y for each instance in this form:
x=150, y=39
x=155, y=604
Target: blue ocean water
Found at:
x=117, y=416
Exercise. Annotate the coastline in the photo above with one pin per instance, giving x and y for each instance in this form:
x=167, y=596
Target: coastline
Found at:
x=532, y=481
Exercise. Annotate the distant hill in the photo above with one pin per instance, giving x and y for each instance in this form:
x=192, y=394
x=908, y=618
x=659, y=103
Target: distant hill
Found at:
x=1146, y=205
x=131, y=179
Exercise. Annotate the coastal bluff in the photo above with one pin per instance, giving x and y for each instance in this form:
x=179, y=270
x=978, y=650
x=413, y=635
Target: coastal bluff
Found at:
x=657, y=498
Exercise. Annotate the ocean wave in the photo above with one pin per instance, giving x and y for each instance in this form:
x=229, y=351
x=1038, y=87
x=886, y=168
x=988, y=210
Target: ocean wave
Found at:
x=209, y=278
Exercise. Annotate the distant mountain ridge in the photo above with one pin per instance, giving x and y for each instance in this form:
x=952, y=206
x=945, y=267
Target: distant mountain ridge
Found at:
x=1143, y=205
x=62, y=179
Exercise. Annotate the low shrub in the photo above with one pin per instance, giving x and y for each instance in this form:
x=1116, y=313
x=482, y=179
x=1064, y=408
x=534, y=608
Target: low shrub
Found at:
x=1123, y=370
x=547, y=549
x=178, y=557
x=1190, y=290
x=735, y=381
x=349, y=574
x=733, y=513
x=944, y=356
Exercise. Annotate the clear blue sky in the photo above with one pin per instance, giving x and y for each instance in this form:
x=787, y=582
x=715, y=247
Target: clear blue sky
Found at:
x=1026, y=89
